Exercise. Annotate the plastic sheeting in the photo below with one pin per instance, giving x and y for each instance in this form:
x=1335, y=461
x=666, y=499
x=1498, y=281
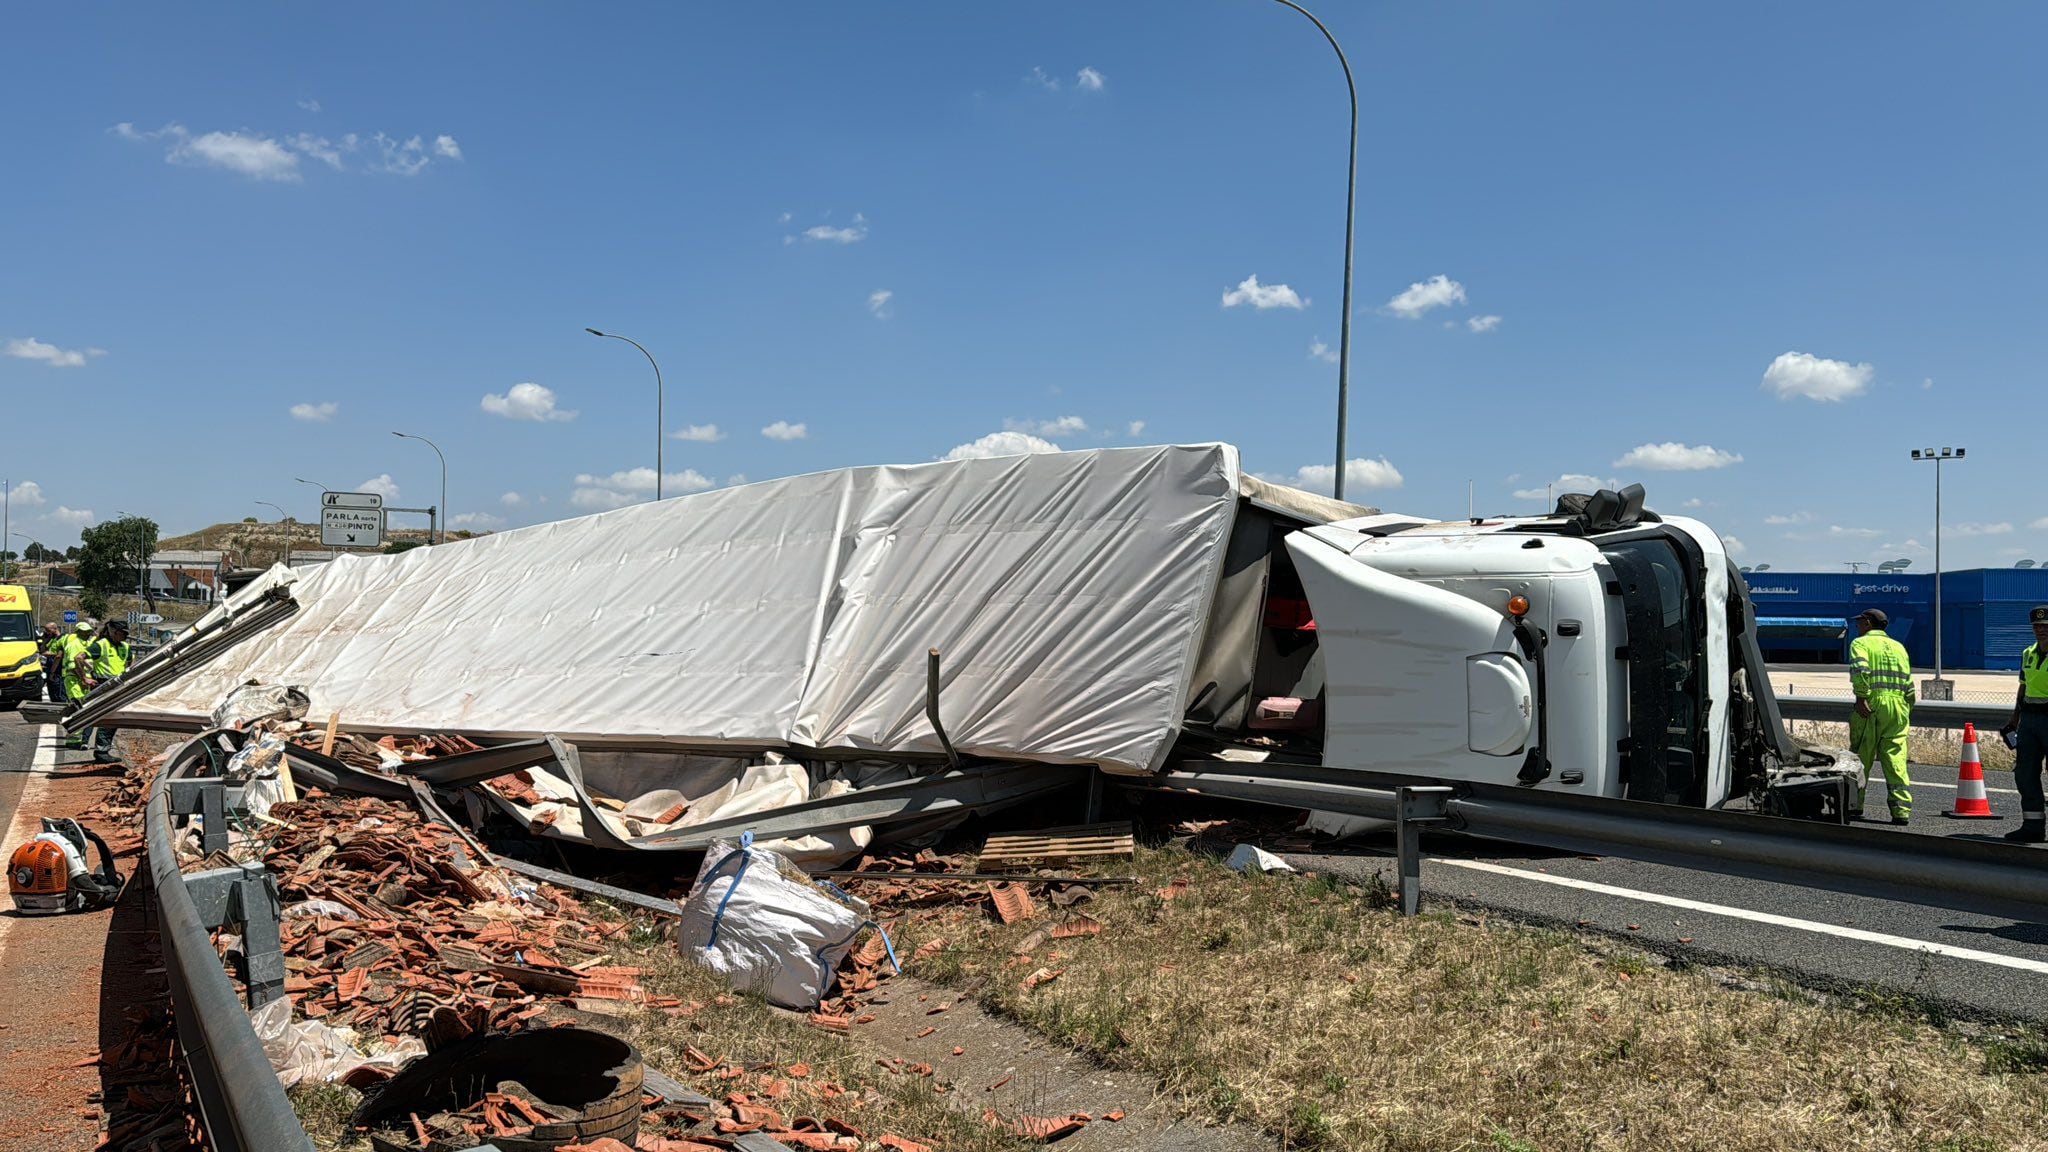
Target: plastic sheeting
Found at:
x=1067, y=591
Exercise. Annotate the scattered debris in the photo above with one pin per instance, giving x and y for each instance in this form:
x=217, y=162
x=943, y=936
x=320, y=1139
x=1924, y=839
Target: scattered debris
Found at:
x=563, y=1086
x=1246, y=857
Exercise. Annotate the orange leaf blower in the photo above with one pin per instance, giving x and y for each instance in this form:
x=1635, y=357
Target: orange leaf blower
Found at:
x=49, y=873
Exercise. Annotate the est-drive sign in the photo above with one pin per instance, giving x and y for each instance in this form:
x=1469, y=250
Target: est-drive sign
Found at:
x=351, y=520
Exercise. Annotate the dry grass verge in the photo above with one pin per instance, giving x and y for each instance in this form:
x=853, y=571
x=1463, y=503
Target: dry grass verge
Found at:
x=1313, y=1010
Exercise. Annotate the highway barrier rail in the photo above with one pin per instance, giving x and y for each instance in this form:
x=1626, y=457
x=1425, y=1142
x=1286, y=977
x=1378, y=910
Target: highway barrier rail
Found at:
x=241, y=1103
x=1926, y=713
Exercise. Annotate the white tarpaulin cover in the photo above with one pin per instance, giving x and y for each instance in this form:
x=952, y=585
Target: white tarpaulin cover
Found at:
x=1068, y=593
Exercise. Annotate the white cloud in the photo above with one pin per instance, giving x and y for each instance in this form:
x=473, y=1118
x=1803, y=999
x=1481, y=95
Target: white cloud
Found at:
x=319, y=413
x=1482, y=323
x=878, y=303
x=1358, y=473
x=322, y=149
x=1064, y=426
x=2040, y=525
x=1793, y=518
x=1263, y=296
x=1999, y=529
x=28, y=492
x=700, y=433
x=526, y=401
x=1837, y=532
x=1137, y=427
x=1569, y=482
x=783, y=219
x=784, y=430
x=1672, y=456
x=602, y=498
x=736, y=479
x=399, y=159
x=310, y=105
x=642, y=480
x=1799, y=374
x=1695, y=502
x=1010, y=443
x=382, y=484
x=1927, y=384
x=633, y=485
x=257, y=157
x=512, y=500
x=1734, y=545
x=31, y=348
x=262, y=157
x=1089, y=80
x=1044, y=81
x=475, y=520
x=853, y=233
x=1320, y=351
x=72, y=517
x=1424, y=295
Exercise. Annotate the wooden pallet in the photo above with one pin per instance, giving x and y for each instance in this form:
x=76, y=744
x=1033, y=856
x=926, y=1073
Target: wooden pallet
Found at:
x=1081, y=842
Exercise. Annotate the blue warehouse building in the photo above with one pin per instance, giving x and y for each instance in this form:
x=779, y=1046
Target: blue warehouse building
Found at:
x=1803, y=617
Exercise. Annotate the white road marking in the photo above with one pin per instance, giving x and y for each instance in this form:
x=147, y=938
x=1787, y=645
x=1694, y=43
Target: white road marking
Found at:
x=28, y=809
x=1953, y=787
x=1840, y=930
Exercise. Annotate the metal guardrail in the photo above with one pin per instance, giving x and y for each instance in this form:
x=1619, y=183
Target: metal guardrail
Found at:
x=1989, y=877
x=241, y=1103
x=1926, y=714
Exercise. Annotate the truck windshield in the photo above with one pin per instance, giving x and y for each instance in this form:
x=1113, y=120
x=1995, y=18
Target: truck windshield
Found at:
x=1666, y=760
x=16, y=626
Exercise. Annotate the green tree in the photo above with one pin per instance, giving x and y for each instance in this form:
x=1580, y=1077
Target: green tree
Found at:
x=93, y=603
x=397, y=546
x=114, y=555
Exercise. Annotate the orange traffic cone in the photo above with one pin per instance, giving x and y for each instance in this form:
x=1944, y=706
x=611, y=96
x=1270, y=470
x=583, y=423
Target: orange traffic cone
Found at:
x=1971, y=802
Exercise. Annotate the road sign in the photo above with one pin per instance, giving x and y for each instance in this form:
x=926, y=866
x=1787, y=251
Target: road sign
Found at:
x=342, y=527
x=351, y=500
x=70, y=618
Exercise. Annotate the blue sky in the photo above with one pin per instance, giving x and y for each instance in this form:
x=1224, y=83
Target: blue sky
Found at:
x=1630, y=242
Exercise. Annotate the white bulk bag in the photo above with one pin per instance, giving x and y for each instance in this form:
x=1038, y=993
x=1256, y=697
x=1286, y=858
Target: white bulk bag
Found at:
x=760, y=922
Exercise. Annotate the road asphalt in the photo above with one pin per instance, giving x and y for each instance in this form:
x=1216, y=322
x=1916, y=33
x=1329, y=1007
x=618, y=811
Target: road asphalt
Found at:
x=1966, y=964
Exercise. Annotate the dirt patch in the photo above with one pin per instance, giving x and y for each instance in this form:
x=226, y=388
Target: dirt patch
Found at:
x=990, y=1062
x=58, y=973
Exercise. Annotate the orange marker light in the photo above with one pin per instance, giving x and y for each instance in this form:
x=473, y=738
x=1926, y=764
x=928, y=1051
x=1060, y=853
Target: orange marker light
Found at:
x=1518, y=606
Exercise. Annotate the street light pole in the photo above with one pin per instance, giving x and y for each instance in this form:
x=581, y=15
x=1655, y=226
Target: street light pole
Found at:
x=442, y=517
x=660, y=420
x=1938, y=688
x=284, y=523
x=1350, y=218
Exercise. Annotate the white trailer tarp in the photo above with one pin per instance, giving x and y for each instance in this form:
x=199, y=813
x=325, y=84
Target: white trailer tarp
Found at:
x=1068, y=593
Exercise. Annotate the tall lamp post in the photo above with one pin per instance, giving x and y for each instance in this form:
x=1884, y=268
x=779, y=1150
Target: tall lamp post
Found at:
x=284, y=523
x=442, y=518
x=1938, y=688
x=1350, y=216
x=660, y=419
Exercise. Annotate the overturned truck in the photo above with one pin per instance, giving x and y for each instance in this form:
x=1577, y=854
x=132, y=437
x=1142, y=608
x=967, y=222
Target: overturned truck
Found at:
x=822, y=656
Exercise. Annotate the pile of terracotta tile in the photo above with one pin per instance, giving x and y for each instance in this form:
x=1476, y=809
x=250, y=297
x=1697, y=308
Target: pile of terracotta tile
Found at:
x=362, y=752
x=437, y=947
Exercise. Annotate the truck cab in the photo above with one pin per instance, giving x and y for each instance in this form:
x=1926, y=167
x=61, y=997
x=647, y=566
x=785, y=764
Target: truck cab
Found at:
x=1599, y=649
x=21, y=667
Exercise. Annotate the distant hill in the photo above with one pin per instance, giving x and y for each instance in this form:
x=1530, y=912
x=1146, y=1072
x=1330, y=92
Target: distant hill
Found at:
x=262, y=543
